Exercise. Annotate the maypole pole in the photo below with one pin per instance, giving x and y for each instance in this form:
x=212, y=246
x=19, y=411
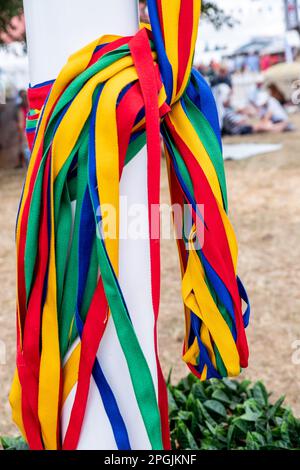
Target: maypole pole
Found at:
x=56, y=29
x=88, y=374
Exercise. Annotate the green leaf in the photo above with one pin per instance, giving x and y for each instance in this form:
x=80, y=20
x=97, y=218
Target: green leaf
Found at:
x=205, y=414
x=185, y=437
x=168, y=382
x=190, y=402
x=241, y=426
x=13, y=443
x=221, y=396
x=251, y=416
x=284, y=429
x=179, y=397
x=212, y=429
x=268, y=433
x=275, y=446
x=252, y=412
x=172, y=404
x=194, y=426
x=276, y=433
x=260, y=394
x=251, y=443
x=198, y=391
x=185, y=416
x=272, y=412
x=216, y=407
x=197, y=411
x=209, y=443
x=192, y=379
x=184, y=385
x=279, y=445
x=231, y=384
x=221, y=434
x=230, y=435
x=259, y=438
x=243, y=386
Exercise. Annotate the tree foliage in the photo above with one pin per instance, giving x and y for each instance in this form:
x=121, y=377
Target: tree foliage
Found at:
x=216, y=15
x=8, y=9
x=213, y=14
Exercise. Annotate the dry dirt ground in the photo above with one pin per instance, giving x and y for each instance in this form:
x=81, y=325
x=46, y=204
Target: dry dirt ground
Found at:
x=264, y=198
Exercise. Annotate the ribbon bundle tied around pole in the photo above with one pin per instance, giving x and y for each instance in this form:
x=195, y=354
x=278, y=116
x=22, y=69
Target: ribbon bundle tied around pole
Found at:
x=110, y=99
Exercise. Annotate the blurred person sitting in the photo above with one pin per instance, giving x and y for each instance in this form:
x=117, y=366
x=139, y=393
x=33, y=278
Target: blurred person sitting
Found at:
x=231, y=121
x=237, y=122
x=276, y=93
x=271, y=110
x=254, y=92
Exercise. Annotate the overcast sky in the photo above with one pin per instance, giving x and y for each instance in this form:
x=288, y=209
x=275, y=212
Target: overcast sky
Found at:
x=256, y=18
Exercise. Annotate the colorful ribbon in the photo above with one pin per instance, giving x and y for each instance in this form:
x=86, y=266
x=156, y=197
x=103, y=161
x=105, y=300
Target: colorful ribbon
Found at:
x=110, y=99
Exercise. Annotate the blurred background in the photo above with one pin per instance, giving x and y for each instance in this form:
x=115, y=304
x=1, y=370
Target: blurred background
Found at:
x=250, y=54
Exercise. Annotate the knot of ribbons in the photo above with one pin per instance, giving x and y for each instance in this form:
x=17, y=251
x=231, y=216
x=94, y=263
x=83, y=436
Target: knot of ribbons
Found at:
x=112, y=98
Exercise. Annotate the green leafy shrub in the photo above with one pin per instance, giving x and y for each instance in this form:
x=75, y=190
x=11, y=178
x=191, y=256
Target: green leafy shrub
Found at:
x=227, y=414
x=221, y=414
x=13, y=443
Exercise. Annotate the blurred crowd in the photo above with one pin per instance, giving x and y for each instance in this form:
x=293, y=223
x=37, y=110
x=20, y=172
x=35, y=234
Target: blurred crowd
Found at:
x=262, y=109
x=242, y=63
x=262, y=113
